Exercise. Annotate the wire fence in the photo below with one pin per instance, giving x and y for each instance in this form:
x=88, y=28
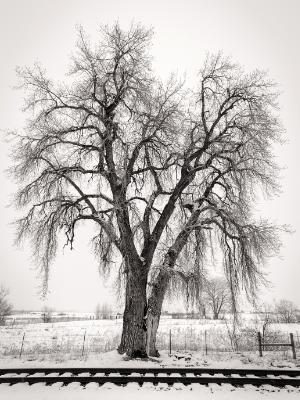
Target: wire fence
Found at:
x=10, y=321
x=80, y=340
x=26, y=345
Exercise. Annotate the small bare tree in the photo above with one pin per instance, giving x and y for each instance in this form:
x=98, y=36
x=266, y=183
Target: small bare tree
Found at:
x=217, y=296
x=103, y=311
x=5, y=307
x=266, y=317
x=47, y=313
x=286, y=311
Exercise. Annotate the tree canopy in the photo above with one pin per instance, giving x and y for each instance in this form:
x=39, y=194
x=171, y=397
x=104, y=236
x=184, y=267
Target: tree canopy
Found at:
x=164, y=171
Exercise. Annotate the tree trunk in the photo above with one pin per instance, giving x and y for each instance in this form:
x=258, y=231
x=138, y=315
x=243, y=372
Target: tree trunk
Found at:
x=155, y=302
x=133, y=340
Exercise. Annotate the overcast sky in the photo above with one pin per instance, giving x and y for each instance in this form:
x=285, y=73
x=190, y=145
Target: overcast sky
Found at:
x=262, y=34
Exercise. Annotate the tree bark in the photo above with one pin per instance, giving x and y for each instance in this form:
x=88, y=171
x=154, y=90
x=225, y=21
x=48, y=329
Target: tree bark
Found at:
x=133, y=340
x=155, y=302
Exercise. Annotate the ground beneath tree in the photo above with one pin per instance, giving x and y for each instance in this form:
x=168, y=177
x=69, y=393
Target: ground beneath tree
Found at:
x=176, y=359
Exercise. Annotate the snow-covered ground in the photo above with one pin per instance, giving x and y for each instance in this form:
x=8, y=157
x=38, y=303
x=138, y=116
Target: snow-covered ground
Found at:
x=134, y=392
x=176, y=359
x=162, y=391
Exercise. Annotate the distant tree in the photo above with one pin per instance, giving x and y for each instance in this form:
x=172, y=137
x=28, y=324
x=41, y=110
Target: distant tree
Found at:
x=5, y=306
x=97, y=312
x=47, y=313
x=217, y=296
x=159, y=169
x=286, y=311
x=103, y=311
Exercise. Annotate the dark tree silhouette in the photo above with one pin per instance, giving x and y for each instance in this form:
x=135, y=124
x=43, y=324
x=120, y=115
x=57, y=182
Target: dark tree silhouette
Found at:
x=160, y=170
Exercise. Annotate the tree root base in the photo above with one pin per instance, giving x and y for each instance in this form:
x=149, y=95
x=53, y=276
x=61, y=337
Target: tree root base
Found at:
x=133, y=355
x=154, y=353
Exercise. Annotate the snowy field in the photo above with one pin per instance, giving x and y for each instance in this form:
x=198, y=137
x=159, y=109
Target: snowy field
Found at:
x=62, y=340
x=92, y=340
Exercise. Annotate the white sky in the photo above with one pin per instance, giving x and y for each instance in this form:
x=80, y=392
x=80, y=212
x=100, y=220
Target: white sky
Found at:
x=257, y=34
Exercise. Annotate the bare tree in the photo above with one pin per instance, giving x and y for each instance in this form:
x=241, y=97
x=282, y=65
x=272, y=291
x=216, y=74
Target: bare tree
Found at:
x=5, y=307
x=217, y=296
x=161, y=171
x=286, y=311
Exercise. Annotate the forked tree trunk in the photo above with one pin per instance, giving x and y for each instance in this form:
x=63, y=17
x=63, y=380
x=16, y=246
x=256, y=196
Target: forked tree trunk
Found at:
x=155, y=302
x=133, y=340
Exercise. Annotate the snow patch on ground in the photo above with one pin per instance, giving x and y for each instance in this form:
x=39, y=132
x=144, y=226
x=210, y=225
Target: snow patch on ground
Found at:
x=176, y=359
x=134, y=392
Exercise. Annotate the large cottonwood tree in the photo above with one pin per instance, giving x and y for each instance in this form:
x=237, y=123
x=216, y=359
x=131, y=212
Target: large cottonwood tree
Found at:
x=162, y=171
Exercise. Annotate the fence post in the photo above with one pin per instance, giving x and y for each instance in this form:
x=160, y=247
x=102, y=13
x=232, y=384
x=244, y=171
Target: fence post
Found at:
x=22, y=345
x=83, y=343
x=205, y=340
x=170, y=342
x=259, y=344
x=293, y=346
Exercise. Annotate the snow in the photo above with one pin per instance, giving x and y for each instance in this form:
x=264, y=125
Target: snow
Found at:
x=40, y=337
x=110, y=391
x=134, y=392
x=183, y=359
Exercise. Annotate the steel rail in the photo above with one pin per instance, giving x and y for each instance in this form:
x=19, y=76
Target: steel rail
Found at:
x=152, y=370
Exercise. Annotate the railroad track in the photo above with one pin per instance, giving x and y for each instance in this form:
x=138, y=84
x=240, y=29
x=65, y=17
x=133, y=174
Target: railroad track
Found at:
x=123, y=376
